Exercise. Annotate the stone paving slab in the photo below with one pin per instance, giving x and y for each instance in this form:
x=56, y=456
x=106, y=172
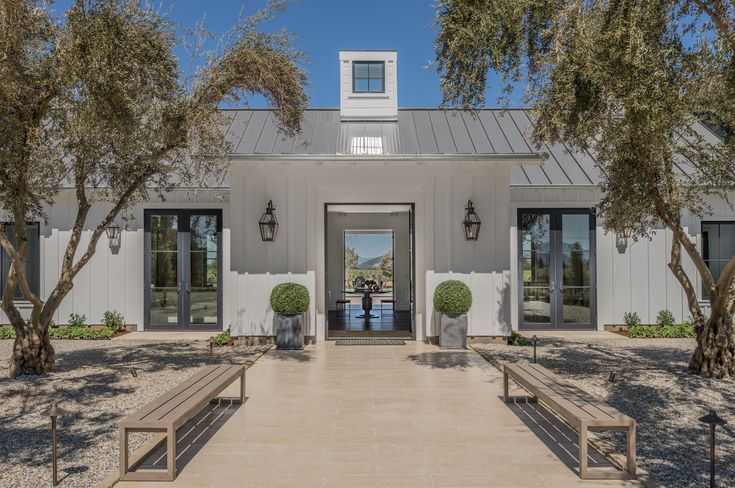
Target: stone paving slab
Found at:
x=378, y=416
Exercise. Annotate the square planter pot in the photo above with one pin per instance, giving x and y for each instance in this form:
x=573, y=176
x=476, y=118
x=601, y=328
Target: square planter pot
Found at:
x=453, y=330
x=289, y=330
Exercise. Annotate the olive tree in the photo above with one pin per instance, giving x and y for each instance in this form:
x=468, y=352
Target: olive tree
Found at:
x=95, y=103
x=626, y=80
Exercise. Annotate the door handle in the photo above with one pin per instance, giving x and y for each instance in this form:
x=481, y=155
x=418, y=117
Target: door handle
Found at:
x=188, y=288
x=178, y=288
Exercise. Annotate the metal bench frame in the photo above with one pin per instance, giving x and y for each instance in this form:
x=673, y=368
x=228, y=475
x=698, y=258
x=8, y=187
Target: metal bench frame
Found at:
x=550, y=389
x=172, y=410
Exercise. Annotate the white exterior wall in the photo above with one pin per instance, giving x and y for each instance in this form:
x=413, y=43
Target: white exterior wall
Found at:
x=439, y=190
x=368, y=106
x=631, y=279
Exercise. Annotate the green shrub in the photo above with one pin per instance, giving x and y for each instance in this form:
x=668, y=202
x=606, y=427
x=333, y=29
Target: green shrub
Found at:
x=665, y=319
x=223, y=338
x=290, y=298
x=516, y=339
x=113, y=320
x=7, y=332
x=662, y=331
x=78, y=321
x=76, y=332
x=631, y=319
x=452, y=296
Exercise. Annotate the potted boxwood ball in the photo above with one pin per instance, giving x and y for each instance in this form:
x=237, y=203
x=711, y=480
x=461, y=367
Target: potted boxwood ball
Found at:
x=452, y=299
x=290, y=302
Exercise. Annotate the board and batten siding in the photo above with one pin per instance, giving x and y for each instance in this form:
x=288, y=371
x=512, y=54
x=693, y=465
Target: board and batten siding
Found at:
x=633, y=278
x=439, y=190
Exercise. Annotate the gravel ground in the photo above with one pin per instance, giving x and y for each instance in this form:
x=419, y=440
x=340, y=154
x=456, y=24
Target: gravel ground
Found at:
x=652, y=386
x=94, y=386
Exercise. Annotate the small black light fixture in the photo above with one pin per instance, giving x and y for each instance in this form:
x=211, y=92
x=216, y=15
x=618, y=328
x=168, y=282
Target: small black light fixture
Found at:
x=622, y=238
x=713, y=420
x=268, y=224
x=53, y=412
x=471, y=223
x=113, y=232
x=535, y=340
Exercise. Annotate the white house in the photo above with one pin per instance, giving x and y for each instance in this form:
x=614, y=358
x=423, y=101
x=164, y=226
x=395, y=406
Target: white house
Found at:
x=540, y=261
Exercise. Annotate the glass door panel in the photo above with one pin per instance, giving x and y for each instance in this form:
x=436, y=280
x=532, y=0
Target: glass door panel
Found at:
x=183, y=251
x=204, y=270
x=556, y=262
x=164, y=276
x=576, y=277
x=536, y=268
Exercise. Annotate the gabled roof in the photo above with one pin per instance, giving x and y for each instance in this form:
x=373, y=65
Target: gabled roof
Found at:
x=494, y=134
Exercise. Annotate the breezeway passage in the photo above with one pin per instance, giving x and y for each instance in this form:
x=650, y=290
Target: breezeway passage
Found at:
x=382, y=416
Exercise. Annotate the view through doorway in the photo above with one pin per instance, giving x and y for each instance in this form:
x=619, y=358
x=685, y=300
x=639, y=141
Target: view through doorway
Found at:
x=369, y=270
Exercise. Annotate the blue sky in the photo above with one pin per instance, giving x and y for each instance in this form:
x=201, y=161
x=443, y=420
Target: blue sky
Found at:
x=324, y=27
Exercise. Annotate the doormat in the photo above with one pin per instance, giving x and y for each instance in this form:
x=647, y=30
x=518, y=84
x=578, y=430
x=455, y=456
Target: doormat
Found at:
x=370, y=342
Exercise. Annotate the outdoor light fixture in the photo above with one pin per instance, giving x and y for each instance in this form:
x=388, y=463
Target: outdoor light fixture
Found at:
x=268, y=224
x=713, y=420
x=471, y=223
x=113, y=232
x=54, y=412
x=621, y=239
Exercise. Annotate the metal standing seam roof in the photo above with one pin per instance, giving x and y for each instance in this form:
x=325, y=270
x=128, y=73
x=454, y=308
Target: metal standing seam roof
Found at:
x=422, y=133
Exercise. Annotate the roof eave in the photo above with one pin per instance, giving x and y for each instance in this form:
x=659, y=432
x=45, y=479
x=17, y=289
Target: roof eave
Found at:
x=527, y=158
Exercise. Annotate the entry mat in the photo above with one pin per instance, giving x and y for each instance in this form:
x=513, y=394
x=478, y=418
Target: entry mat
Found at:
x=370, y=342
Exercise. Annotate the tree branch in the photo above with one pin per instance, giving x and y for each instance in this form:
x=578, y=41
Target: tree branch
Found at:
x=681, y=275
x=719, y=17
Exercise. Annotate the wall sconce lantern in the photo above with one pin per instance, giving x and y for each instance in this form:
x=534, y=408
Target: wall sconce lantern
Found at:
x=268, y=224
x=621, y=239
x=471, y=223
x=113, y=233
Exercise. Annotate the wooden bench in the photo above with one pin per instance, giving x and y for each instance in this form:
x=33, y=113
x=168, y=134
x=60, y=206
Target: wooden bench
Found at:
x=578, y=409
x=172, y=410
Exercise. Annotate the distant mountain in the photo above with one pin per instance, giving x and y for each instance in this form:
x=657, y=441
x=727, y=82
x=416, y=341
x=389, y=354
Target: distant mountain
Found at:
x=369, y=262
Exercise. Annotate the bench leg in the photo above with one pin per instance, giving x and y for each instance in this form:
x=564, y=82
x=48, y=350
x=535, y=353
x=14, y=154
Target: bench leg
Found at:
x=505, y=387
x=583, y=451
x=171, y=453
x=242, y=388
x=631, y=461
x=123, y=452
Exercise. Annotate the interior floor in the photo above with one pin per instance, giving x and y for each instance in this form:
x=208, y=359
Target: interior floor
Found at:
x=389, y=323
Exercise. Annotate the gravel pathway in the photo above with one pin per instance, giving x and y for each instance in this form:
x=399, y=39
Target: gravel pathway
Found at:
x=95, y=387
x=652, y=386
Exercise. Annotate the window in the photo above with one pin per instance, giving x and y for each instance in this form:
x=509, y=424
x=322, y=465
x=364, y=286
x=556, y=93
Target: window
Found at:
x=32, y=263
x=368, y=256
x=368, y=77
x=718, y=246
x=366, y=145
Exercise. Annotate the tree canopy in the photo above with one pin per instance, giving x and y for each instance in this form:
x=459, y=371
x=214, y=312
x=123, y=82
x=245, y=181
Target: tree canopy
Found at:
x=96, y=101
x=628, y=80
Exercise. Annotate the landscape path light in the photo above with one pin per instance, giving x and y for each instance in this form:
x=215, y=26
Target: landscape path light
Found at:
x=713, y=420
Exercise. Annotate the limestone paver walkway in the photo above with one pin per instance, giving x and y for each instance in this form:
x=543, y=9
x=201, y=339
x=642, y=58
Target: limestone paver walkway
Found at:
x=376, y=416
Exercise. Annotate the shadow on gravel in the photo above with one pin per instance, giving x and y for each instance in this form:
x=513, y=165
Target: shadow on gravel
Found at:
x=286, y=355
x=561, y=439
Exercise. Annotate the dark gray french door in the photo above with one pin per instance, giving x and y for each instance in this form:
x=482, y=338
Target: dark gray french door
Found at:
x=556, y=256
x=183, y=269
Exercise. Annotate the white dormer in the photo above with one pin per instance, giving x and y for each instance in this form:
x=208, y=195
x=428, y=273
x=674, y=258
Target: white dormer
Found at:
x=368, y=85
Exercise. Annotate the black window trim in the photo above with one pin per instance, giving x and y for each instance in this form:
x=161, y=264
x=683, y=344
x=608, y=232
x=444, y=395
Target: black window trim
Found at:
x=354, y=63
x=702, y=223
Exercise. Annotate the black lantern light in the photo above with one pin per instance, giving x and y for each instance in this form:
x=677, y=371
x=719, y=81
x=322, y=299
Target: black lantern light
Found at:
x=471, y=223
x=268, y=224
x=113, y=232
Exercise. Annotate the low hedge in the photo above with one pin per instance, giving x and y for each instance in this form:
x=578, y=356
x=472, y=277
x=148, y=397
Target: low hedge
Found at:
x=661, y=331
x=87, y=333
x=290, y=298
x=452, y=296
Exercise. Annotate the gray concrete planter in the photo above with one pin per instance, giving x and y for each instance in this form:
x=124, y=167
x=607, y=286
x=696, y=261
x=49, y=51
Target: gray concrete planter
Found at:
x=453, y=330
x=289, y=330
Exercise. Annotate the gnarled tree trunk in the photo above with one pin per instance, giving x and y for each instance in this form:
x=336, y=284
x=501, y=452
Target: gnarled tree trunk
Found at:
x=32, y=351
x=714, y=355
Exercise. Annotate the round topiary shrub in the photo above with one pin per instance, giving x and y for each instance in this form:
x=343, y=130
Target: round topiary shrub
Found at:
x=452, y=296
x=290, y=298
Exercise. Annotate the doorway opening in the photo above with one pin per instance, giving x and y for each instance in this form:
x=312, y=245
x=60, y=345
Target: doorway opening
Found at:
x=369, y=270
x=183, y=274
x=556, y=259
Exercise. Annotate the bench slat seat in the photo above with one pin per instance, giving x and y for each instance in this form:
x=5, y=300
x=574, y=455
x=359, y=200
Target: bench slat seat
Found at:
x=577, y=407
x=173, y=409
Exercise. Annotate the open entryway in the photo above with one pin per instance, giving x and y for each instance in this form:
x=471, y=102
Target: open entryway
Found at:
x=183, y=251
x=369, y=272
x=556, y=259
